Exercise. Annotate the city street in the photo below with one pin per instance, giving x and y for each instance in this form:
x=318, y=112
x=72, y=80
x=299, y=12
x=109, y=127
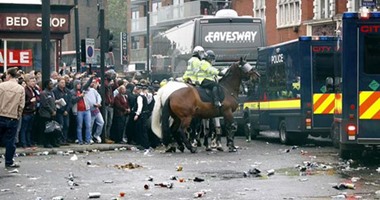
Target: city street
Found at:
x=287, y=172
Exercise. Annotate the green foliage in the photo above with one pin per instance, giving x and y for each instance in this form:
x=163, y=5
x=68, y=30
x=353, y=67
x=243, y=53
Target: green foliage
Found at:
x=116, y=18
x=161, y=46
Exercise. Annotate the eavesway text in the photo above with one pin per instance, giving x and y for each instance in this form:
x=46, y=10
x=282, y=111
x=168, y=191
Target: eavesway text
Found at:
x=231, y=36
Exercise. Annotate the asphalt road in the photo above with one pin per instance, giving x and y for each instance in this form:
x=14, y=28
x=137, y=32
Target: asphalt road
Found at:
x=46, y=177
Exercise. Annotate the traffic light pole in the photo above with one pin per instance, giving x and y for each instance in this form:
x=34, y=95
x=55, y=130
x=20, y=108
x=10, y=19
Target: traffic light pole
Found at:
x=77, y=38
x=102, y=67
x=45, y=43
x=148, y=38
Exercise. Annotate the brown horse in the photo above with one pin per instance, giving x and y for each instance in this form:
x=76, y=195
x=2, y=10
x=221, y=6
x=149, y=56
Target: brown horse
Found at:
x=182, y=103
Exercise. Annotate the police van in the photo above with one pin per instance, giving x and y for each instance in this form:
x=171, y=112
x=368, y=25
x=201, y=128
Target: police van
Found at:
x=292, y=95
x=357, y=122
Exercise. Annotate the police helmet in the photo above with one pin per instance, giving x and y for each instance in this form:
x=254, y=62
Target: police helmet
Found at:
x=198, y=51
x=210, y=55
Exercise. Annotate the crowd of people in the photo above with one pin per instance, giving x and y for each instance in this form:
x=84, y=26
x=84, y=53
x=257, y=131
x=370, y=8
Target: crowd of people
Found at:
x=29, y=105
x=74, y=101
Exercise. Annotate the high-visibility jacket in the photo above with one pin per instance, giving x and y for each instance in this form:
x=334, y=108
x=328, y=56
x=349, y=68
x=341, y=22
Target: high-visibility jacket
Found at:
x=193, y=66
x=207, y=71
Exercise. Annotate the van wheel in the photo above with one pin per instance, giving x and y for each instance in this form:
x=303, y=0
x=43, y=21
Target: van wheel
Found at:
x=334, y=134
x=344, y=153
x=284, y=135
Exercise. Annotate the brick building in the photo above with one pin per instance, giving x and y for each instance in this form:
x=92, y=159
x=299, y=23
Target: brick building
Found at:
x=288, y=19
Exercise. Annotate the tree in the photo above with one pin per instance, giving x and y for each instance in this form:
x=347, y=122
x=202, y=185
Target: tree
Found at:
x=116, y=19
x=161, y=46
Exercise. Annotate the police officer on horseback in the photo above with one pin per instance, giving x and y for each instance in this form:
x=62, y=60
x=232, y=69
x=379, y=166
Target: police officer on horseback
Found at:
x=206, y=76
x=193, y=65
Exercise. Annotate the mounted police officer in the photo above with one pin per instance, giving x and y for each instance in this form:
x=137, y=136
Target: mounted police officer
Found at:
x=193, y=65
x=207, y=74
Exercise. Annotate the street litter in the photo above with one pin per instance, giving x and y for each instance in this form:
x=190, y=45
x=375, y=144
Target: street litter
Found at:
x=165, y=185
x=71, y=176
x=57, y=198
x=270, y=172
x=146, y=186
x=15, y=171
x=355, y=179
x=342, y=186
x=122, y=194
x=72, y=183
x=5, y=190
x=18, y=185
x=196, y=179
x=173, y=178
x=303, y=179
x=108, y=181
x=179, y=168
x=128, y=166
x=199, y=194
x=377, y=194
x=252, y=172
x=150, y=178
x=89, y=162
x=94, y=195
x=378, y=169
x=74, y=157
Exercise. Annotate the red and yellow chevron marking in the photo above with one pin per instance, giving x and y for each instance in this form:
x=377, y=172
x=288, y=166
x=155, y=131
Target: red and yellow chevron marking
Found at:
x=338, y=103
x=369, y=105
x=323, y=103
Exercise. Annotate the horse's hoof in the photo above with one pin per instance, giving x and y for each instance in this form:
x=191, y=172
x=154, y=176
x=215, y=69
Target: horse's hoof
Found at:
x=219, y=148
x=232, y=149
x=170, y=150
x=193, y=150
x=181, y=148
x=208, y=149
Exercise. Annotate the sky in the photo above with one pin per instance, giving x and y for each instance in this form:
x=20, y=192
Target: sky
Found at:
x=21, y=1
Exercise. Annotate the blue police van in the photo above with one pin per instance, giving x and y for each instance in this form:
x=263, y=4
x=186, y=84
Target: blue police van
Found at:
x=292, y=96
x=357, y=122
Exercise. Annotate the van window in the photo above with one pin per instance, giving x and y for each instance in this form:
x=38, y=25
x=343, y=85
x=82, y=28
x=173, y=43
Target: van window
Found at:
x=371, y=54
x=323, y=66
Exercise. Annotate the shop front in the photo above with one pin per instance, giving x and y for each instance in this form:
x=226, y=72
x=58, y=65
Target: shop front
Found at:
x=21, y=33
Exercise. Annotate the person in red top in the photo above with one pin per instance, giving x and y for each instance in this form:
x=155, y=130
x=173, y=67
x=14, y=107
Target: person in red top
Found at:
x=81, y=108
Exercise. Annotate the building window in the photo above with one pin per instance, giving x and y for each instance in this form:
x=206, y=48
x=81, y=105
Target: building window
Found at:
x=353, y=5
x=288, y=13
x=259, y=8
x=324, y=9
x=135, y=42
x=88, y=3
x=135, y=21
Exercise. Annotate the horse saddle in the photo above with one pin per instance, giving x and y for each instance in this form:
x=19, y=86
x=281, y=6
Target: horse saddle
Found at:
x=207, y=96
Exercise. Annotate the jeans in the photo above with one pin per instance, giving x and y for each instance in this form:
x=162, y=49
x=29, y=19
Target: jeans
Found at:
x=84, y=116
x=98, y=119
x=64, y=121
x=108, y=117
x=8, y=129
x=26, y=129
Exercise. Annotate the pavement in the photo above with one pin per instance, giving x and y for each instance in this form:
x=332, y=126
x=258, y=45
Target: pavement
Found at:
x=69, y=149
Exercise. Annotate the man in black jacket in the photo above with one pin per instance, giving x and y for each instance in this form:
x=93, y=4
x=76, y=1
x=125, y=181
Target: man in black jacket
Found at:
x=63, y=95
x=47, y=113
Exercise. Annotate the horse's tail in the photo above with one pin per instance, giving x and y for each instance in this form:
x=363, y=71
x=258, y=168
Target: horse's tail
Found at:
x=165, y=122
x=156, y=115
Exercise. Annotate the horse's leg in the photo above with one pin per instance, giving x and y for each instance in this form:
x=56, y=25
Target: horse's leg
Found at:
x=182, y=130
x=228, y=118
x=177, y=136
x=216, y=139
x=206, y=131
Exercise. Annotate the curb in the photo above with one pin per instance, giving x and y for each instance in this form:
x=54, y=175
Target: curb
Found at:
x=70, y=149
